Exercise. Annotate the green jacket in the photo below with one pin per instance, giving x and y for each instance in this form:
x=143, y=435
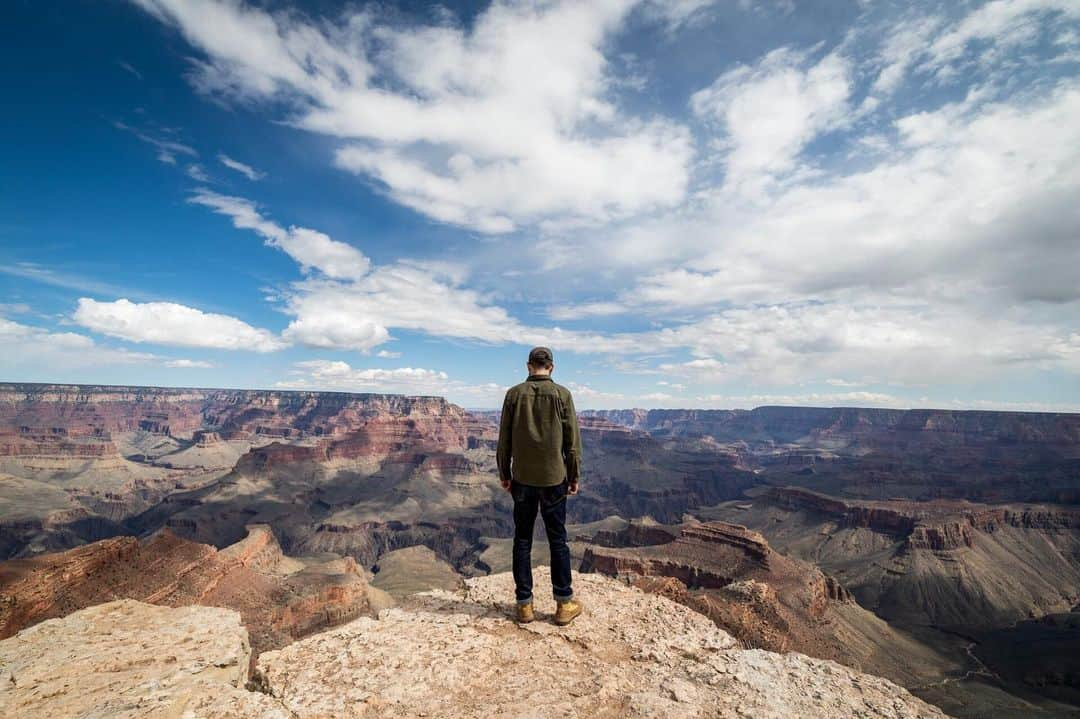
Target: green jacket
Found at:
x=539, y=439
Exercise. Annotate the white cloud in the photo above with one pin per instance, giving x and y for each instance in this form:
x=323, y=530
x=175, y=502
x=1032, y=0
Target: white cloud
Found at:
x=340, y=376
x=786, y=344
x=246, y=170
x=486, y=128
x=167, y=323
x=1004, y=24
x=35, y=351
x=189, y=364
x=387, y=354
x=770, y=111
x=974, y=199
x=312, y=249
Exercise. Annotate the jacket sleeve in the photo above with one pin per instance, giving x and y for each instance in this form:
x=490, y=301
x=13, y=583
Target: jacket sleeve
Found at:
x=506, y=425
x=571, y=440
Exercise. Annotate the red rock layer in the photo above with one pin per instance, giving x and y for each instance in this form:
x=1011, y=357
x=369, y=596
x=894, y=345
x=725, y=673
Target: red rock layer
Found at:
x=89, y=410
x=276, y=606
x=730, y=573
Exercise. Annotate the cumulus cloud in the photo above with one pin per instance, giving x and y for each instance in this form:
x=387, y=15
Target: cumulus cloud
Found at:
x=167, y=323
x=914, y=345
x=945, y=209
x=484, y=127
x=770, y=111
x=35, y=351
x=244, y=169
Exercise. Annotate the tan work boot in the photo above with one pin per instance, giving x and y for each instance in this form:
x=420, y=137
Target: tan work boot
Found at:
x=524, y=613
x=566, y=611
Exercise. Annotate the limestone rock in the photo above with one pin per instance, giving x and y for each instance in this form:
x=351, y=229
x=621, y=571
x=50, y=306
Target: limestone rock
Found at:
x=126, y=659
x=458, y=654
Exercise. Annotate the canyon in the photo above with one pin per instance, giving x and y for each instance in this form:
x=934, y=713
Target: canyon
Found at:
x=924, y=546
x=279, y=598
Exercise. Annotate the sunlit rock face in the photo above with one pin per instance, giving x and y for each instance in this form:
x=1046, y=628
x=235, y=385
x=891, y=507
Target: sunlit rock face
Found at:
x=279, y=598
x=763, y=598
x=630, y=655
x=132, y=660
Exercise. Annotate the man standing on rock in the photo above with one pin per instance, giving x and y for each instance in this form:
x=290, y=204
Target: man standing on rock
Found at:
x=539, y=459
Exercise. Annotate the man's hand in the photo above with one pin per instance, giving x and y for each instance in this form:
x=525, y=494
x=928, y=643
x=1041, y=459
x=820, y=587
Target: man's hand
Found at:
x=572, y=487
x=505, y=484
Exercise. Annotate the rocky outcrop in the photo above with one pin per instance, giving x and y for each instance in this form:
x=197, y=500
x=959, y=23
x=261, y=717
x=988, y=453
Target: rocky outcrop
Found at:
x=132, y=660
x=459, y=654
x=638, y=533
x=279, y=598
x=442, y=654
x=763, y=598
x=205, y=438
x=707, y=556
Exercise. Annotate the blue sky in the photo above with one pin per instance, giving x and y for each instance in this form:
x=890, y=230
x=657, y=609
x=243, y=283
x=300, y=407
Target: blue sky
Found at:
x=695, y=203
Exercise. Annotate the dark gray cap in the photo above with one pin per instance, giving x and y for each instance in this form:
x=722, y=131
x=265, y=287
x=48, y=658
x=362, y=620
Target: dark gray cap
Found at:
x=539, y=356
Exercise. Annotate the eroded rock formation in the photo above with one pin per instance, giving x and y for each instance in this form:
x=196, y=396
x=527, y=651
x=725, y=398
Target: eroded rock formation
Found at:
x=279, y=598
x=763, y=598
x=944, y=563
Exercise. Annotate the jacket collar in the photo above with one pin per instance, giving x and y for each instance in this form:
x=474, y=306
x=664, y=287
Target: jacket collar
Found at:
x=538, y=378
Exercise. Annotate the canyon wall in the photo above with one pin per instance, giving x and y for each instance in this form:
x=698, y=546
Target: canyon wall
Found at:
x=279, y=599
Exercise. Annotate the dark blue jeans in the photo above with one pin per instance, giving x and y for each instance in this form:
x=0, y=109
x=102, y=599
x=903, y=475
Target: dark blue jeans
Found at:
x=551, y=501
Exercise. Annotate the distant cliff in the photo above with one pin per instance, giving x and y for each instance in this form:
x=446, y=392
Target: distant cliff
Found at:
x=97, y=410
x=791, y=424
x=880, y=454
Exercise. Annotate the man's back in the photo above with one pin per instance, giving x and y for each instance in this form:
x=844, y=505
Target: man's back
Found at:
x=539, y=439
